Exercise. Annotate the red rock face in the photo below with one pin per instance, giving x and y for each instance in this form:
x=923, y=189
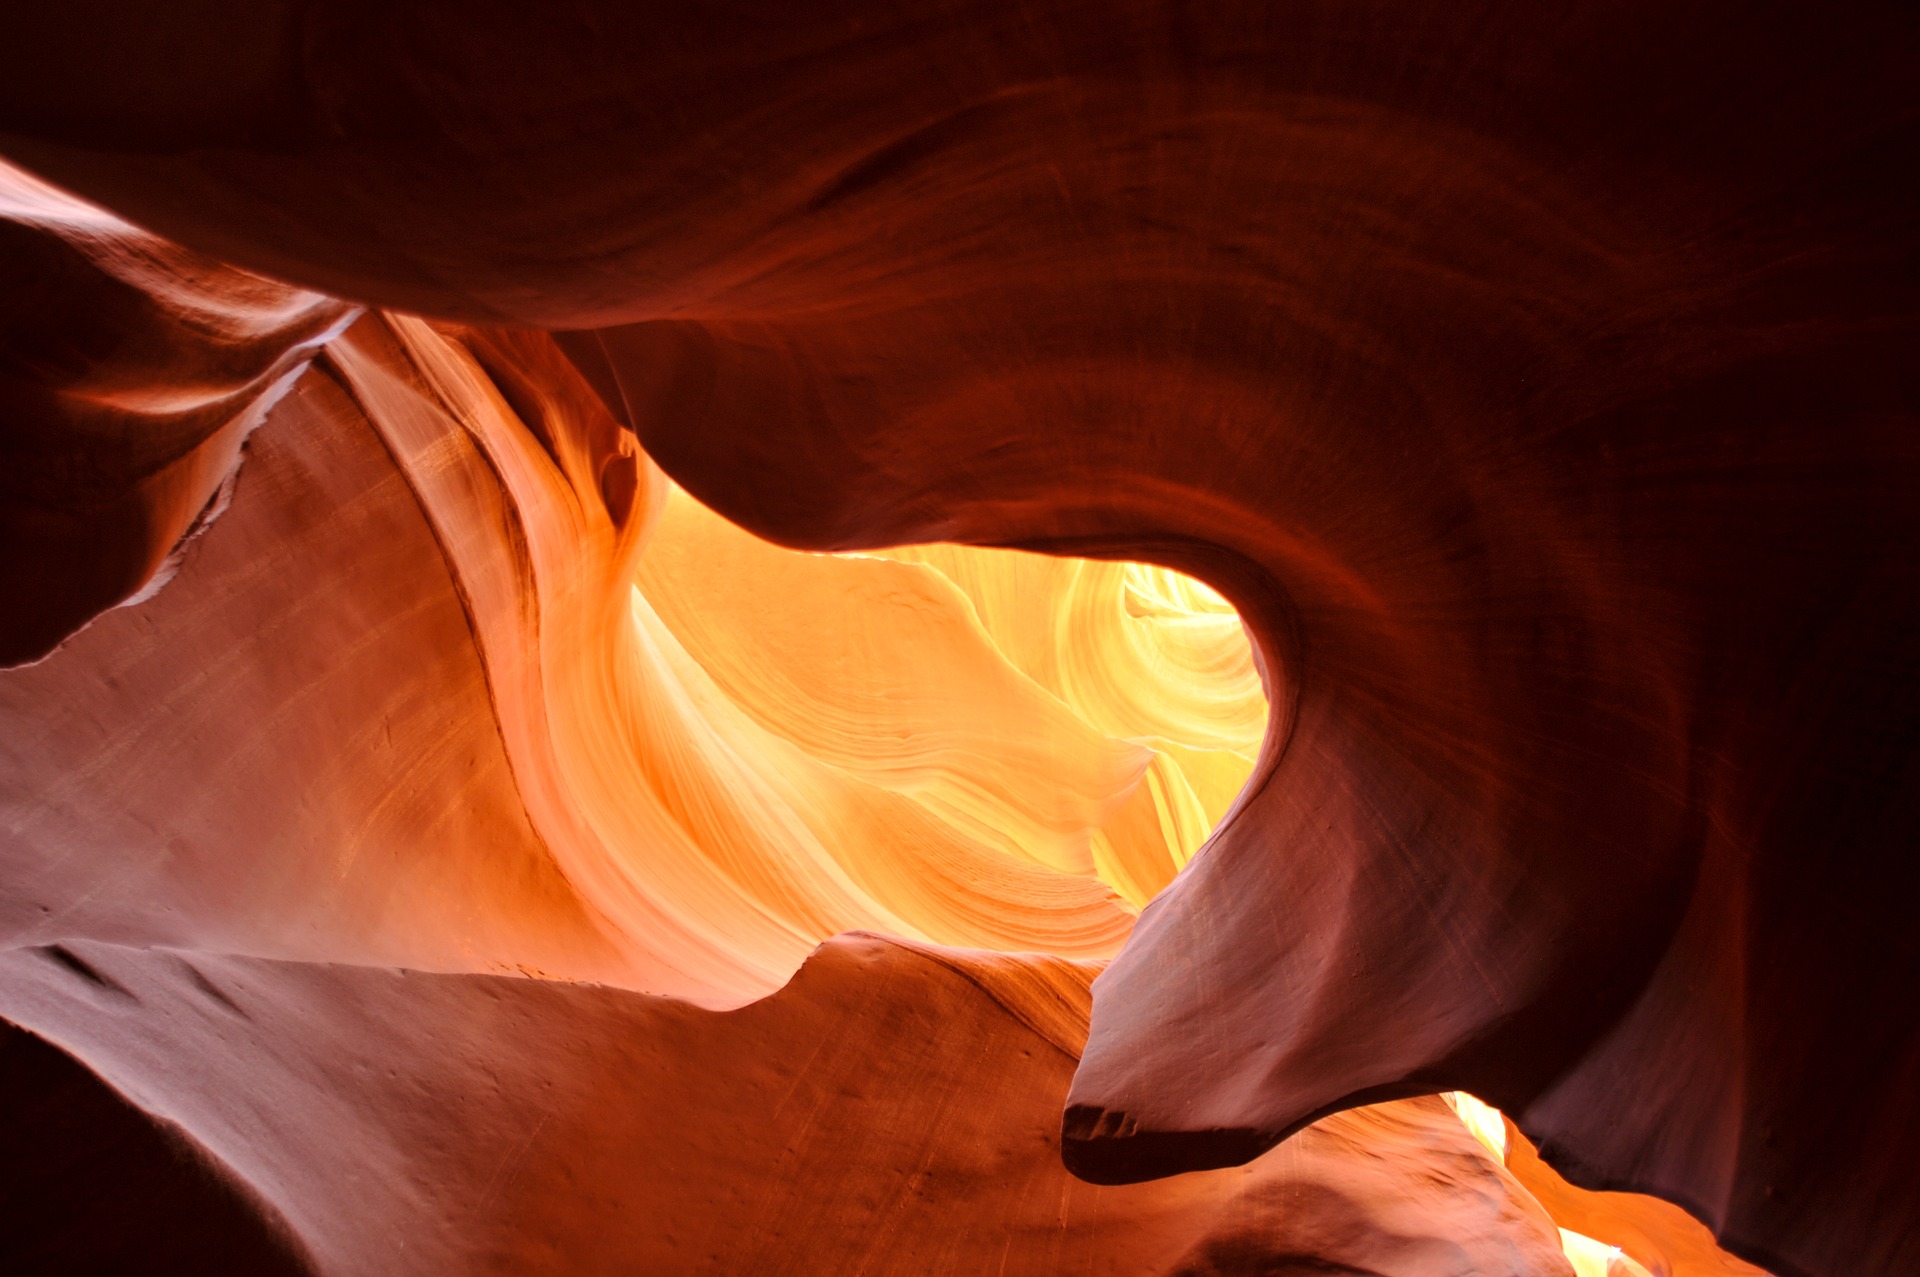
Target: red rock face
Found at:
x=1536, y=383
x=134, y=370
x=399, y=1123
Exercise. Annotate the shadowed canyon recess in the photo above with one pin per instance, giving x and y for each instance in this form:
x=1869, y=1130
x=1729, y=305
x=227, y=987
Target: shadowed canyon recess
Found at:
x=1013, y=639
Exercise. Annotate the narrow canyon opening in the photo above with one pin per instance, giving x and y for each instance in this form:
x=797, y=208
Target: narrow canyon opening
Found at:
x=987, y=748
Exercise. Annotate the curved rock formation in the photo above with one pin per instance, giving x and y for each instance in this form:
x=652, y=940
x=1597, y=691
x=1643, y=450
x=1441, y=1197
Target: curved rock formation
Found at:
x=711, y=788
x=733, y=752
x=388, y=827
x=1532, y=381
x=95, y=1184
x=570, y=1128
x=132, y=371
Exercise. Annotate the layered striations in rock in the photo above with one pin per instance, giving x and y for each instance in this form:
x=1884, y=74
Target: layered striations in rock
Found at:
x=1533, y=382
x=131, y=371
x=748, y=790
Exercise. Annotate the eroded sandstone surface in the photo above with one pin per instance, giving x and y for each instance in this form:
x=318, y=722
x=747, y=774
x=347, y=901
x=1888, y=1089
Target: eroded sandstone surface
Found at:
x=421, y=815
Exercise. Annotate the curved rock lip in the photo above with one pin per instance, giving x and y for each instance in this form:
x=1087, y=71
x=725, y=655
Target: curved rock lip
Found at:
x=1103, y=1146
x=1108, y=1145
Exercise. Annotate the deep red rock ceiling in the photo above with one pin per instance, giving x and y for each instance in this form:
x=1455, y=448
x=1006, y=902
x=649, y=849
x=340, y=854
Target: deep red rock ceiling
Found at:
x=1537, y=381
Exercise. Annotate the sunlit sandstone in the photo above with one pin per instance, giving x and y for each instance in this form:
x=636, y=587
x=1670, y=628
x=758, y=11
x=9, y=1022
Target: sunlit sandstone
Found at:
x=747, y=750
x=1531, y=379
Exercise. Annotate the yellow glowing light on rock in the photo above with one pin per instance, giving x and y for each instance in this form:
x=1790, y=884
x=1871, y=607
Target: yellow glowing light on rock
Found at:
x=1694, y=1255
x=1486, y=1122
x=1591, y=1258
x=735, y=751
x=946, y=716
x=1139, y=653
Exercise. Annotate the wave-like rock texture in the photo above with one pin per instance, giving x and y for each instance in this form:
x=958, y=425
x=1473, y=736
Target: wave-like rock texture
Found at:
x=400, y=1123
x=733, y=752
x=131, y=372
x=312, y=1108
x=1534, y=380
x=465, y=716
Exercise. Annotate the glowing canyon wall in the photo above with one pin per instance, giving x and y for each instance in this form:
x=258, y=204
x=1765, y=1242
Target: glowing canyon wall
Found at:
x=435, y=840
x=772, y=749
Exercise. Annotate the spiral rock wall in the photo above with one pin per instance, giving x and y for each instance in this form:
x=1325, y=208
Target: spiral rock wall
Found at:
x=1535, y=383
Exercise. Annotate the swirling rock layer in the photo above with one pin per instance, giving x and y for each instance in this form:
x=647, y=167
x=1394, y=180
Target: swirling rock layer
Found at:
x=399, y=1123
x=894, y=1107
x=1533, y=381
x=132, y=371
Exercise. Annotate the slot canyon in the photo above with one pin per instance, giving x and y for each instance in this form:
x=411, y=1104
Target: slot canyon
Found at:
x=981, y=639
